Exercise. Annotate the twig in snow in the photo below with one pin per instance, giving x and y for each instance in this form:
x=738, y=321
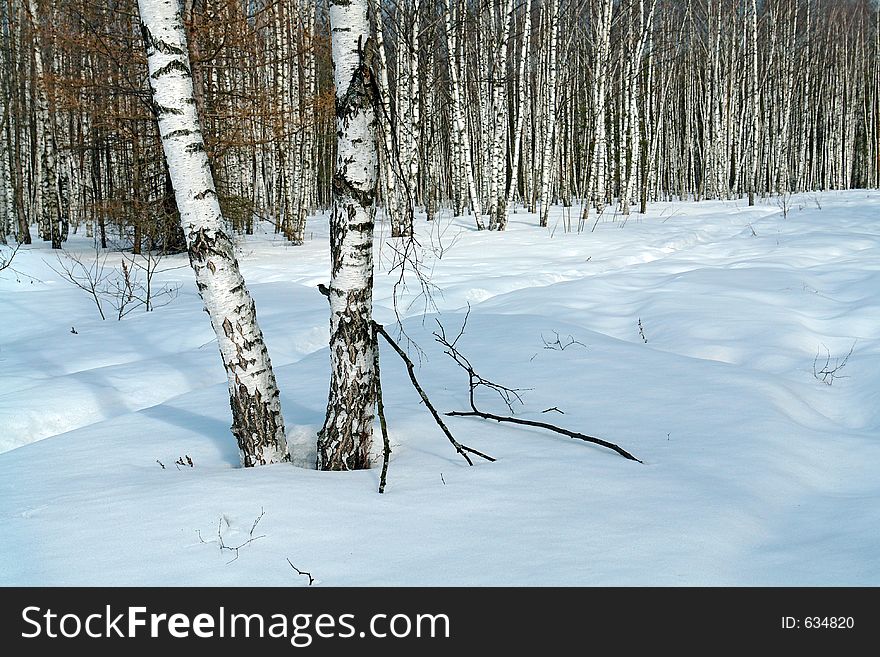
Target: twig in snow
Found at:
x=553, y=408
x=302, y=572
x=828, y=372
x=160, y=463
x=642, y=331
x=558, y=344
x=236, y=548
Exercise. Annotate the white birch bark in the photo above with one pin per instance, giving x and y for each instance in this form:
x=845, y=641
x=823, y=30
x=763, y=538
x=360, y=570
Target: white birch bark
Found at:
x=309, y=148
x=500, y=109
x=458, y=111
x=345, y=441
x=388, y=155
x=47, y=199
x=549, y=123
x=634, y=88
x=8, y=219
x=754, y=102
x=602, y=66
x=522, y=104
x=256, y=410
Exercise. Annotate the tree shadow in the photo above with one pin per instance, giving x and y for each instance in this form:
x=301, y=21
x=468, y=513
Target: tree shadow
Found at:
x=217, y=432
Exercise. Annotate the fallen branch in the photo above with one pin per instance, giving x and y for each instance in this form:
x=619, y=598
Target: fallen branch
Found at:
x=464, y=450
x=302, y=572
x=544, y=425
x=507, y=394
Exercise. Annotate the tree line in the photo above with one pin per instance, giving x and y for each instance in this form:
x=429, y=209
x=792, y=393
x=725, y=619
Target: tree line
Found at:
x=482, y=105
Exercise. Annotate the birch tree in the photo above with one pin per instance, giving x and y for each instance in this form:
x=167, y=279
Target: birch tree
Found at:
x=549, y=123
x=49, y=211
x=345, y=441
x=601, y=66
x=460, y=134
x=257, y=423
x=500, y=118
x=711, y=98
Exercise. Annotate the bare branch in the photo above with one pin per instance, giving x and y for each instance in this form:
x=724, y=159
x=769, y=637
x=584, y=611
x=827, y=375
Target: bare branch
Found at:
x=508, y=395
x=302, y=572
x=475, y=381
x=235, y=548
x=550, y=427
x=380, y=411
x=6, y=258
x=464, y=450
x=828, y=372
x=558, y=344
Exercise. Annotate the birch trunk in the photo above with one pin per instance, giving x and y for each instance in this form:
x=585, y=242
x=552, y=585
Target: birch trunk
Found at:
x=600, y=145
x=754, y=103
x=522, y=106
x=257, y=423
x=549, y=126
x=388, y=155
x=48, y=208
x=345, y=441
x=459, y=120
x=497, y=152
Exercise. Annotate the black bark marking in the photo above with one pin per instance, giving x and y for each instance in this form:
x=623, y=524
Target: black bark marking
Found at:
x=173, y=65
x=178, y=133
x=254, y=425
x=227, y=328
x=157, y=44
x=206, y=193
x=161, y=110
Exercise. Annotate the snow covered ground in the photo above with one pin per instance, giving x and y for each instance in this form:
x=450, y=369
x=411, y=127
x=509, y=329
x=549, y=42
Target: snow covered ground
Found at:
x=755, y=471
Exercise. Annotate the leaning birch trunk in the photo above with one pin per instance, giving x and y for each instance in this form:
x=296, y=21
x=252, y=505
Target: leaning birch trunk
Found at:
x=253, y=394
x=345, y=441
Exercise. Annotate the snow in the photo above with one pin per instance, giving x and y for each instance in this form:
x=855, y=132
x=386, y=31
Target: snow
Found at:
x=755, y=472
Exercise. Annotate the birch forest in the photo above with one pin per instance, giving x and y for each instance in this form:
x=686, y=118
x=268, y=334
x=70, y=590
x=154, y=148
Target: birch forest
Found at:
x=485, y=106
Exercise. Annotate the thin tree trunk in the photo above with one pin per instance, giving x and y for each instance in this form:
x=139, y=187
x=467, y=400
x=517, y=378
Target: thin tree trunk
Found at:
x=459, y=117
x=522, y=106
x=549, y=127
x=257, y=423
x=345, y=441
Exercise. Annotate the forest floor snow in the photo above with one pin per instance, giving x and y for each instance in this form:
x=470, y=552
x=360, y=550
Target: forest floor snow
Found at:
x=694, y=337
